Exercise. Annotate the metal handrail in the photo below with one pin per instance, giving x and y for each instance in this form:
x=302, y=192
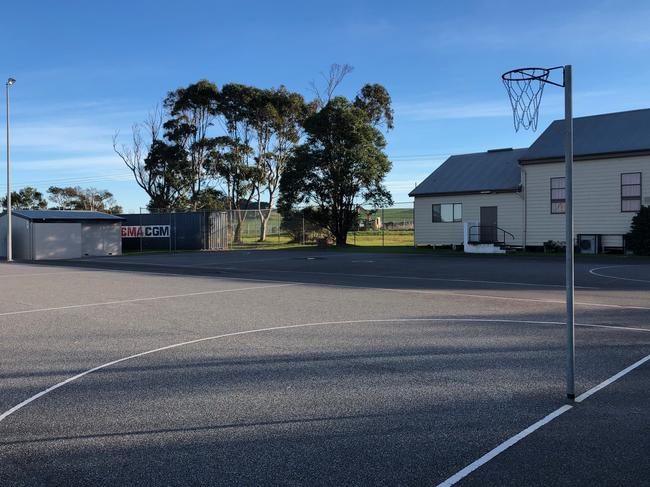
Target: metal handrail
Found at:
x=472, y=239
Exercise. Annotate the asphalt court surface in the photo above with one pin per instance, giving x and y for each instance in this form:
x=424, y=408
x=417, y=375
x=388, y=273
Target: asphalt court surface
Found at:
x=319, y=368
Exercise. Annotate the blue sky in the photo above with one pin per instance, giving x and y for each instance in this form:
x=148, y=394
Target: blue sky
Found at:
x=87, y=69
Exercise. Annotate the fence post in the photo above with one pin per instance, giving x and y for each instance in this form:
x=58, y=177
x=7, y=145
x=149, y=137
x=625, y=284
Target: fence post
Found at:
x=415, y=246
x=383, y=238
x=140, y=209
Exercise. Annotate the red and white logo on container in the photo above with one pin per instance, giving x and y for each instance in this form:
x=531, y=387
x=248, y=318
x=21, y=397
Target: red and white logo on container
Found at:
x=146, y=231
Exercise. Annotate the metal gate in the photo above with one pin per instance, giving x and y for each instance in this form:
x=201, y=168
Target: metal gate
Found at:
x=217, y=231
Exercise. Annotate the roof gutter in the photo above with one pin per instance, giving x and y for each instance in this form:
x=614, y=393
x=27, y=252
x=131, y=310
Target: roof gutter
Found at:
x=585, y=157
x=477, y=191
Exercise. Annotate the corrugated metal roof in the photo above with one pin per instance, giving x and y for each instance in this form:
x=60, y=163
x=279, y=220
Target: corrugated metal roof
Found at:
x=64, y=215
x=609, y=133
x=471, y=173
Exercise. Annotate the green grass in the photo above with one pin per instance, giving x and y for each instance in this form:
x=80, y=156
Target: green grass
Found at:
x=397, y=215
x=374, y=239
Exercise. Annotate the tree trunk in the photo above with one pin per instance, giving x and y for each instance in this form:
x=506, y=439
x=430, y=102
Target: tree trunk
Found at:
x=341, y=238
x=263, y=220
x=235, y=225
x=238, y=227
x=263, y=227
x=265, y=216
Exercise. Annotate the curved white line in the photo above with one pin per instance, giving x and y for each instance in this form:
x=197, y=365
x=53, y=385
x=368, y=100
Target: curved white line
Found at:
x=285, y=327
x=594, y=273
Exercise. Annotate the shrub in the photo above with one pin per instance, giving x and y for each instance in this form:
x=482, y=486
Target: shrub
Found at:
x=638, y=239
x=294, y=224
x=552, y=247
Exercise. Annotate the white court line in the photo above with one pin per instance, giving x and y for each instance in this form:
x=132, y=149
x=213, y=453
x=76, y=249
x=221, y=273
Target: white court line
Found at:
x=614, y=327
x=272, y=328
x=92, y=270
x=481, y=296
x=444, y=293
x=503, y=446
x=394, y=290
x=416, y=278
x=207, y=266
x=212, y=267
x=594, y=273
x=546, y=419
x=36, y=274
x=138, y=300
x=555, y=301
x=613, y=378
x=472, y=295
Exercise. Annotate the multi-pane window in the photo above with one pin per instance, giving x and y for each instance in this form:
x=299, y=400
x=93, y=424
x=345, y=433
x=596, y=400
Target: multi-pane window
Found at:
x=631, y=191
x=447, y=212
x=558, y=195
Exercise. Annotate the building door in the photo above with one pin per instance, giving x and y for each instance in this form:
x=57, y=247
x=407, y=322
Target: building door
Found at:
x=488, y=224
x=56, y=240
x=92, y=239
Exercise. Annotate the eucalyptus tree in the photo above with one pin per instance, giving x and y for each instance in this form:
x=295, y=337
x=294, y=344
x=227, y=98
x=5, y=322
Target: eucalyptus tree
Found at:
x=169, y=153
x=78, y=198
x=342, y=162
x=144, y=157
x=28, y=198
x=192, y=112
x=277, y=121
x=233, y=156
x=165, y=167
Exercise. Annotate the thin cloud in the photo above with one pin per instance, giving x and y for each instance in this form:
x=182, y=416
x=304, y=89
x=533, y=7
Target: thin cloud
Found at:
x=61, y=137
x=71, y=144
x=431, y=110
x=436, y=111
x=65, y=138
x=551, y=30
x=377, y=28
x=91, y=162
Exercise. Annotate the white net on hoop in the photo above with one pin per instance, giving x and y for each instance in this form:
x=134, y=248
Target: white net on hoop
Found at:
x=525, y=89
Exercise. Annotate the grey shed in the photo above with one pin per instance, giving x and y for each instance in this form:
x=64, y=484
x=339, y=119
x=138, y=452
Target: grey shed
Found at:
x=61, y=234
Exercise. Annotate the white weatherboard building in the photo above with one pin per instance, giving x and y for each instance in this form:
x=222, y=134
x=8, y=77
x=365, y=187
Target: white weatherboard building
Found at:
x=515, y=197
x=58, y=234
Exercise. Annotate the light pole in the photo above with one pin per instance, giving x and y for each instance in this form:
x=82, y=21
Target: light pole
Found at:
x=9, y=83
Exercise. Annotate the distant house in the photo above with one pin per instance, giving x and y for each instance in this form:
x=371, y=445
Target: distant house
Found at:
x=517, y=196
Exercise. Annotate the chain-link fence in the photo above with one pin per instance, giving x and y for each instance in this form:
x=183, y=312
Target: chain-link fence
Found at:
x=382, y=227
x=252, y=228
x=241, y=229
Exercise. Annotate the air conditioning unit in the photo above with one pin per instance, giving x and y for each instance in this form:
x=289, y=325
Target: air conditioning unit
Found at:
x=588, y=244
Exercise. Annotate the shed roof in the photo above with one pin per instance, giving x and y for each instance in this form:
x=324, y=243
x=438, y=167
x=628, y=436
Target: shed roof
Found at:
x=496, y=170
x=595, y=135
x=65, y=215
